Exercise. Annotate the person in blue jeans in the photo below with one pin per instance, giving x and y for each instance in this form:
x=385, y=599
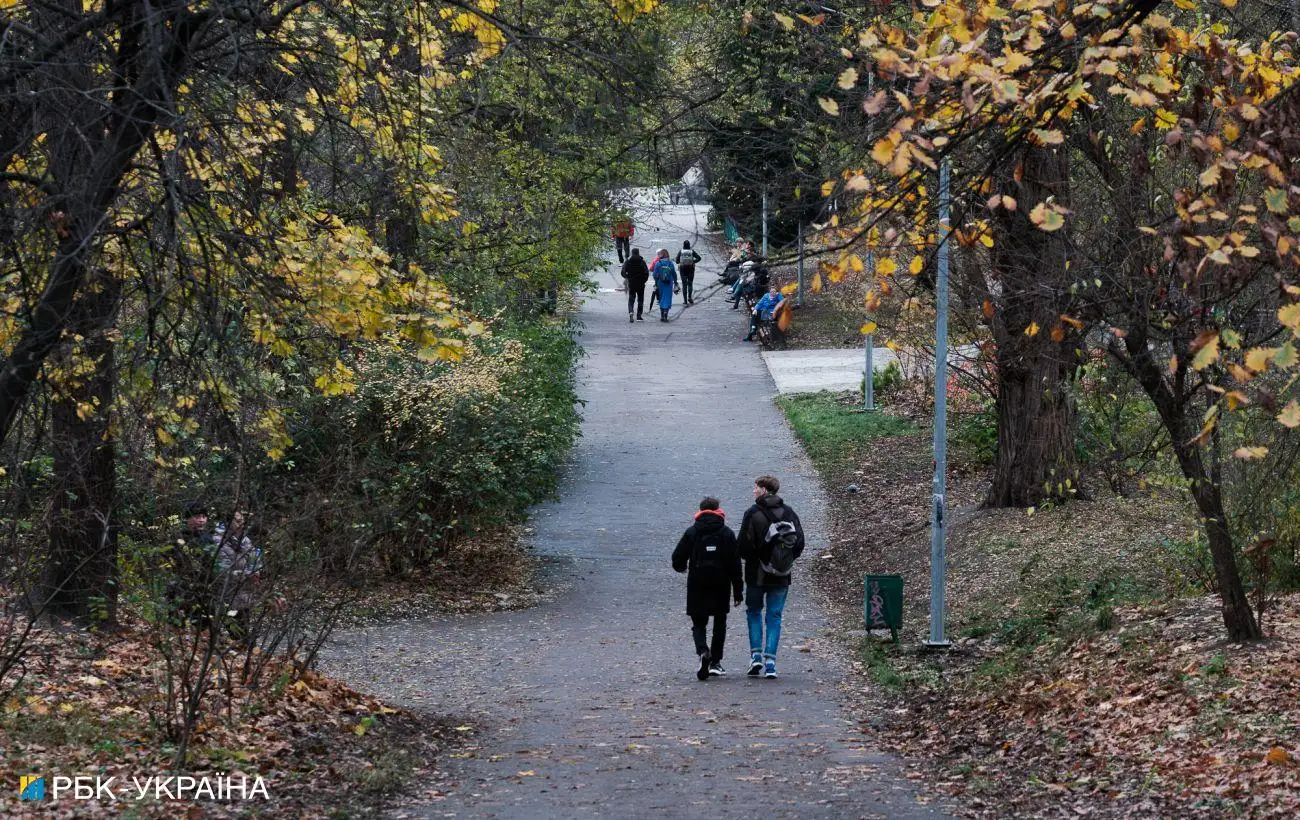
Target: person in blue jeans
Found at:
x=765, y=594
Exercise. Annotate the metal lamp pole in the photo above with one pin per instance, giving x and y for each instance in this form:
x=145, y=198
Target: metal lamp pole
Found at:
x=764, y=223
x=869, y=371
x=938, y=522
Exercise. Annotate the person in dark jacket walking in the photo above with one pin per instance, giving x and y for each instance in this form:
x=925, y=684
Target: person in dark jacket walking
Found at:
x=686, y=259
x=635, y=274
x=707, y=552
x=762, y=589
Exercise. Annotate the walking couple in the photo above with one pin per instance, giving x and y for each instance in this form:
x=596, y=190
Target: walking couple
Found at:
x=636, y=273
x=770, y=540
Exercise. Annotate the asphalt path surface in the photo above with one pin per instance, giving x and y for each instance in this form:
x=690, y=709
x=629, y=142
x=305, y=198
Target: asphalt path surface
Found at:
x=588, y=706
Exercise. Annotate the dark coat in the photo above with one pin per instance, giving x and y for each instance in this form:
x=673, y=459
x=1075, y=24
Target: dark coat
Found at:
x=709, y=591
x=753, y=539
x=636, y=271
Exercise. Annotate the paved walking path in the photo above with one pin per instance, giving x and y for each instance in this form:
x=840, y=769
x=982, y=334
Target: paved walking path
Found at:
x=589, y=706
x=809, y=371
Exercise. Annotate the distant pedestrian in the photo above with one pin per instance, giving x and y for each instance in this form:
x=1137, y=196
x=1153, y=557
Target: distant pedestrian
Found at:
x=665, y=276
x=623, y=231
x=686, y=259
x=708, y=553
x=770, y=539
x=635, y=275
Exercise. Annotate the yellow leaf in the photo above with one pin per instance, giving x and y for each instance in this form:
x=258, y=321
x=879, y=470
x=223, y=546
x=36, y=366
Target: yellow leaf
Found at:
x=867, y=329
x=790, y=288
x=817, y=282
x=1290, y=415
x=886, y=267
x=1032, y=330
x=1049, y=136
x=1165, y=119
x=786, y=21
x=1257, y=358
x=1206, y=347
x=917, y=264
x=1290, y=316
x=1235, y=399
x=829, y=106
x=1247, y=453
x=848, y=78
x=1047, y=217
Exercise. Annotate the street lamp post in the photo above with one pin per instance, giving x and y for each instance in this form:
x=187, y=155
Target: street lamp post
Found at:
x=938, y=519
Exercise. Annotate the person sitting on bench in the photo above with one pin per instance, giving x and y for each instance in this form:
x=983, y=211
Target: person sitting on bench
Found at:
x=764, y=311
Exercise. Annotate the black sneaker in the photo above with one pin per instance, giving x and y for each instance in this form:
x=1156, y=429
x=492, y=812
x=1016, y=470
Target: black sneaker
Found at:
x=715, y=669
x=755, y=665
x=703, y=674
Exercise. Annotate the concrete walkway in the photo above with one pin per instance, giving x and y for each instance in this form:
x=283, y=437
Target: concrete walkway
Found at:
x=589, y=707
x=809, y=371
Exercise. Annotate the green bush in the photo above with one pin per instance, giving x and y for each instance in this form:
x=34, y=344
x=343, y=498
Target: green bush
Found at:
x=433, y=452
x=977, y=434
x=883, y=380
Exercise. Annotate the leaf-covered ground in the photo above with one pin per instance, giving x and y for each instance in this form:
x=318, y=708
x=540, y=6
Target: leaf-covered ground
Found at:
x=89, y=704
x=1081, y=682
x=491, y=572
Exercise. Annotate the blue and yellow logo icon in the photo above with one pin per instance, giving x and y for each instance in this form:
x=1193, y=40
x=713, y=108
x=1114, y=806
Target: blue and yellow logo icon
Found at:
x=31, y=787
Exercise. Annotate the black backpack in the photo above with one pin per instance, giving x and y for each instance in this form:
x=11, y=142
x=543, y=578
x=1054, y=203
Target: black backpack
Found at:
x=707, y=557
x=782, y=537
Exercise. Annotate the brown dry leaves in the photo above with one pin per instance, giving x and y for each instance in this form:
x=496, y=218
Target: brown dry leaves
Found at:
x=1154, y=717
x=81, y=703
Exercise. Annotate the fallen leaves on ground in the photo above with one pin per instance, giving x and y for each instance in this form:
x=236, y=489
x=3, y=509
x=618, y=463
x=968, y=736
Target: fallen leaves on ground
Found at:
x=88, y=703
x=1143, y=711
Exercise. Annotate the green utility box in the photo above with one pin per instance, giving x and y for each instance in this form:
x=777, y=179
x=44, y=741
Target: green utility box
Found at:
x=882, y=603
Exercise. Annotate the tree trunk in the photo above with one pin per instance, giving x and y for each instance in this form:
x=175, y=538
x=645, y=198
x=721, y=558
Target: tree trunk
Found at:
x=1167, y=393
x=1036, y=427
x=79, y=579
x=1037, y=355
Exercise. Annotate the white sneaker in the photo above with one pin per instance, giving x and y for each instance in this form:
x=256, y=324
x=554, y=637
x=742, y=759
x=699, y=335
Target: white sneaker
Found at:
x=755, y=666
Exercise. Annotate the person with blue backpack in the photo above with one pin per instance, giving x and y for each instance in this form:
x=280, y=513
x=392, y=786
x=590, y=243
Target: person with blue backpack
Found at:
x=664, y=273
x=770, y=539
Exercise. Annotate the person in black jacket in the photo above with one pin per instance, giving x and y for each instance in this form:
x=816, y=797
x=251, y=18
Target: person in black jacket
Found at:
x=635, y=275
x=764, y=589
x=708, y=550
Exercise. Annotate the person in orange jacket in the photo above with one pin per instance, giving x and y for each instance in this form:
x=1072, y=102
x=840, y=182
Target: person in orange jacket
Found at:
x=623, y=233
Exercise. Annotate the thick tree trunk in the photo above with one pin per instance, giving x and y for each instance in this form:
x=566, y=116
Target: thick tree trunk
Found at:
x=1037, y=355
x=1036, y=427
x=79, y=579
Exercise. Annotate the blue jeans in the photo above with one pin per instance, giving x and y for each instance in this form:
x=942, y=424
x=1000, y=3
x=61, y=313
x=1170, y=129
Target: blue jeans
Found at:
x=754, y=615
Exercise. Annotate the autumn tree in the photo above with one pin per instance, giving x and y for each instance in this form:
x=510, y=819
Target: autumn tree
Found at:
x=212, y=208
x=1005, y=90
